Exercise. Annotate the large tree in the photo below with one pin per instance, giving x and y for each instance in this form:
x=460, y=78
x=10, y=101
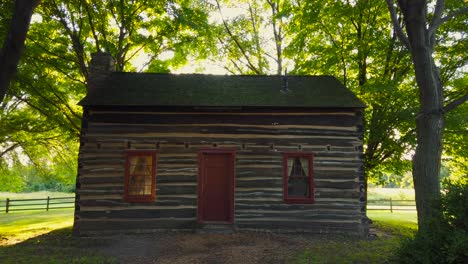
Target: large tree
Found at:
x=13, y=44
x=421, y=41
x=353, y=41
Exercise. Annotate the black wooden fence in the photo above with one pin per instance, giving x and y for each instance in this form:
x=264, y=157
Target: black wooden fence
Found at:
x=391, y=205
x=11, y=205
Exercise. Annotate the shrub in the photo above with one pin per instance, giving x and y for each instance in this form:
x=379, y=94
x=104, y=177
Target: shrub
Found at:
x=445, y=238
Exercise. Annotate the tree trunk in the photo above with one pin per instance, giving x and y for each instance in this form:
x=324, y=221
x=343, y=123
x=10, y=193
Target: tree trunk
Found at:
x=14, y=42
x=430, y=120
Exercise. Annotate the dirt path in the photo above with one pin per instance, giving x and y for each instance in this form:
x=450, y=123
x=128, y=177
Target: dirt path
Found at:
x=173, y=248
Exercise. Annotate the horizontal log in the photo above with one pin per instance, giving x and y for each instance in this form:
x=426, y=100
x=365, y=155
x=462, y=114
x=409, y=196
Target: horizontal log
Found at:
x=341, y=119
x=104, y=160
x=119, y=192
x=203, y=126
x=169, y=184
x=343, y=175
x=347, y=228
x=164, y=178
x=246, y=162
x=179, y=147
x=137, y=214
x=254, y=171
x=102, y=171
x=103, y=186
x=281, y=206
x=258, y=178
x=83, y=174
x=171, y=160
x=220, y=129
x=191, y=111
x=299, y=212
x=120, y=225
x=262, y=184
x=258, y=199
x=241, y=190
x=182, y=189
x=293, y=221
x=337, y=194
x=86, y=155
x=339, y=141
x=102, y=166
x=257, y=194
x=177, y=170
x=97, y=180
x=336, y=185
x=297, y=216
x=99, y=196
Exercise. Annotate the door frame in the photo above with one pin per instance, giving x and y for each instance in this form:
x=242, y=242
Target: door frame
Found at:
x=201, y=184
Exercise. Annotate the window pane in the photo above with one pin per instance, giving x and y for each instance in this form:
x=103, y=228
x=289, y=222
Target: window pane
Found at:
x=140, y=175
x=298, y=177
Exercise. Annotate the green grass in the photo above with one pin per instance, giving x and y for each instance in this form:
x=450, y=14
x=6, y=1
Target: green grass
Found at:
x=19, y=226
x=45, y=237
x=389, y=229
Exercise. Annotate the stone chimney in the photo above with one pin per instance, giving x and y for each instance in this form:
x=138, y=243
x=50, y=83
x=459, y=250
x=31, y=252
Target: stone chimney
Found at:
x=102, y=65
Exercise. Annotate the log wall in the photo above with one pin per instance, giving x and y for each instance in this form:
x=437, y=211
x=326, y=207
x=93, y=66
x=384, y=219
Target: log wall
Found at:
x=260, y=138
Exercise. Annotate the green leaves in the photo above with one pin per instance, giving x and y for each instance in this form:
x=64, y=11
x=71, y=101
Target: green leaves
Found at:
x=40, y=120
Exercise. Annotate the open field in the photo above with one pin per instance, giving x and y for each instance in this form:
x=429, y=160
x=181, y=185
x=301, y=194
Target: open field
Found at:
x=390, y=193
x=33, y=195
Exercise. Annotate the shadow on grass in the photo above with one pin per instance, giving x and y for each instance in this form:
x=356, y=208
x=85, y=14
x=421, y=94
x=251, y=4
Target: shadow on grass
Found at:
x=57, y=246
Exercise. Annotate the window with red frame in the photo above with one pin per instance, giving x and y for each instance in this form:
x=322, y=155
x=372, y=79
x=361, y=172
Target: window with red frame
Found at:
x=298, y=185
x=140, y=176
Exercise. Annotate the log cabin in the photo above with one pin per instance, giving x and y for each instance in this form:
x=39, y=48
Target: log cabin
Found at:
x=201, y=152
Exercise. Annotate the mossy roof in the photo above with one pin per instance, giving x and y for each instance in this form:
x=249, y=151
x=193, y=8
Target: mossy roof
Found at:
x=151, y=89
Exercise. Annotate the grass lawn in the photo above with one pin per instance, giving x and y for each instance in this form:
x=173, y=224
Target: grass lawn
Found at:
x=19, y=226
x=389, y=229
x=44, y=237
x=390, y=193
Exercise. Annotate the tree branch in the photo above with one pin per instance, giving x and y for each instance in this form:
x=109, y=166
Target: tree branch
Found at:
x=250, y=65
x=454, y=14
x=396, y=26
x=12, y=147
x=14, y=42
x=460, y=11
x=436, y=20
x=91, y=25
x=455, y=103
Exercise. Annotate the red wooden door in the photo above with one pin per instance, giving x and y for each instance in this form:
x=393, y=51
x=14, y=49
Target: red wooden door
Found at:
x=216, y=186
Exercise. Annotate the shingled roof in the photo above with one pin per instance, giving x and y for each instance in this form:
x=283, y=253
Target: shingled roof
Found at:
x=153, y=89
